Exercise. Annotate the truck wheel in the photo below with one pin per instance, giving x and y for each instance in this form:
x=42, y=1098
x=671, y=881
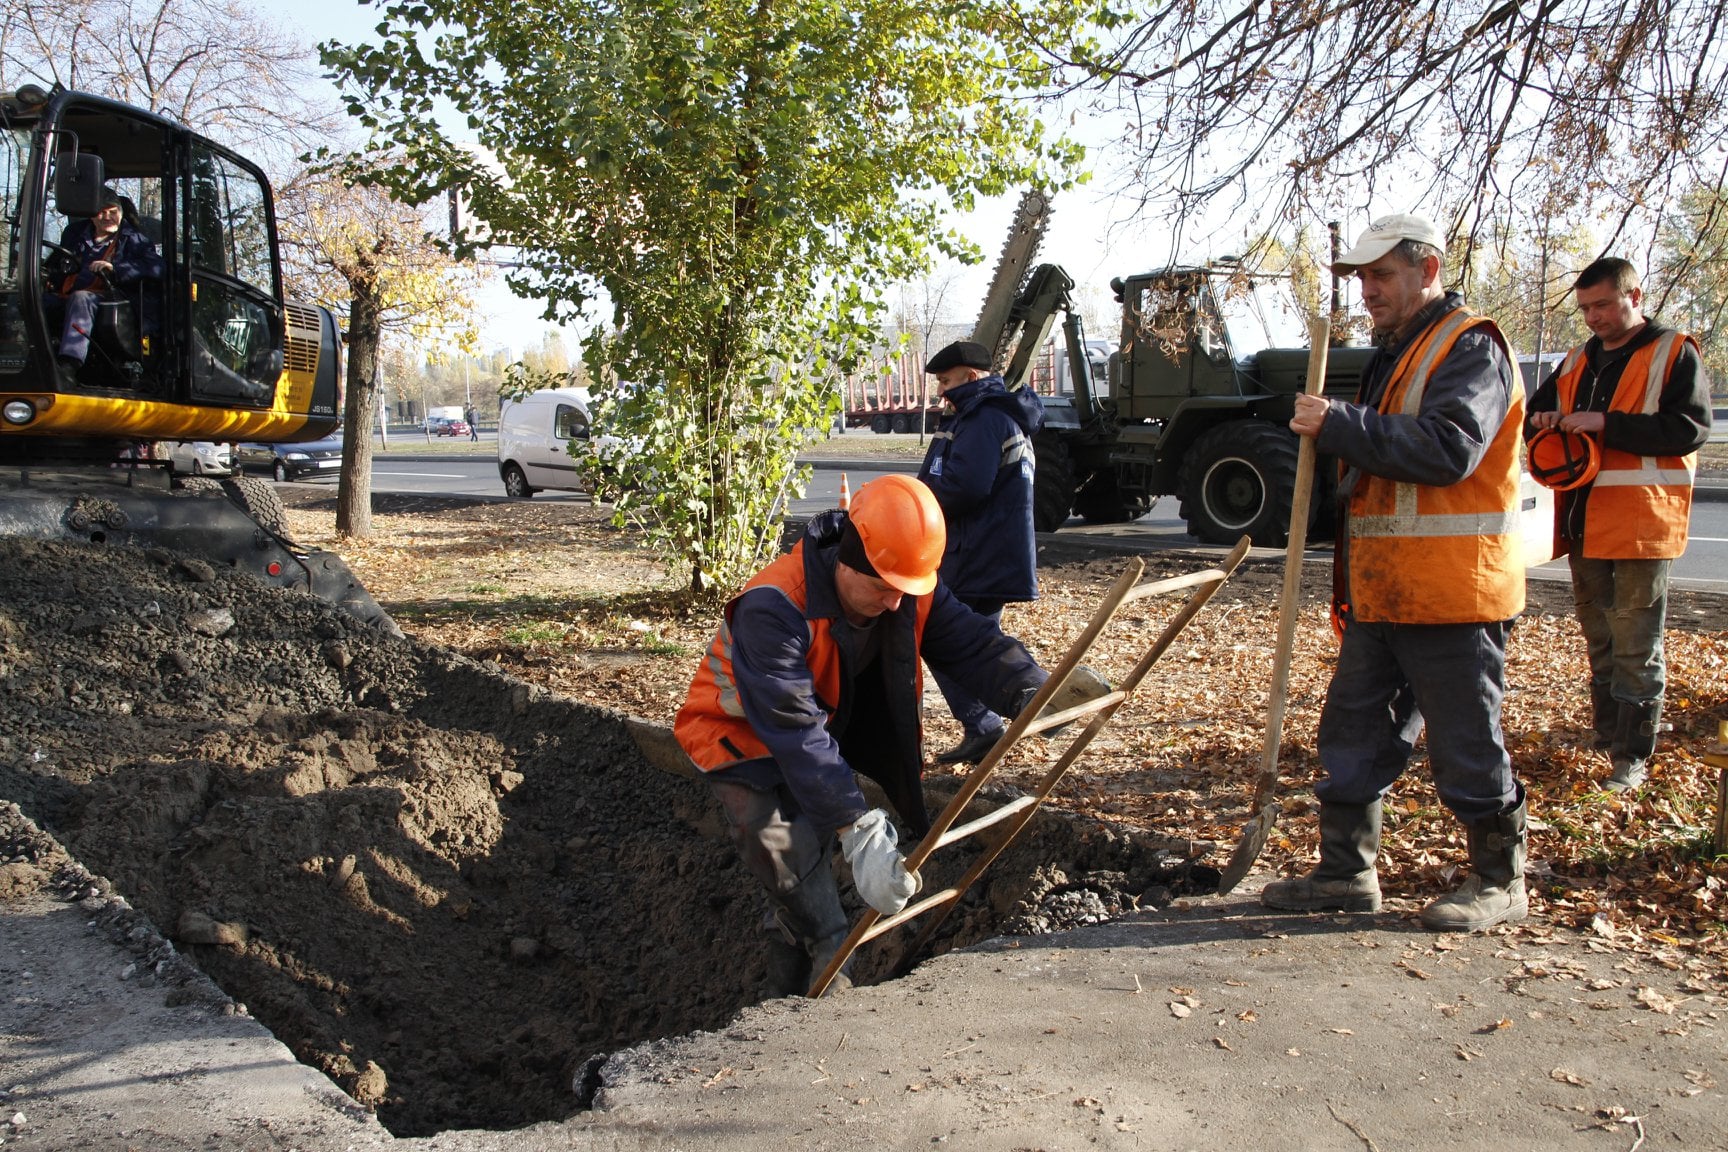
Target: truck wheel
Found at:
x=1052, y=483
x=902, y=423
x=1100, y=500
x=516, y=482
x=880, y=424
x=1237, y=479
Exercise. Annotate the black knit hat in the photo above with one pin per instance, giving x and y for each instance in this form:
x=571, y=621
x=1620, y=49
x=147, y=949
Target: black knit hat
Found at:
x=961, y=354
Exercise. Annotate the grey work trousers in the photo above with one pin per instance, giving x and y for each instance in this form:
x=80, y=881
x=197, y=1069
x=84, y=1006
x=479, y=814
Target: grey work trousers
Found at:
x=1622, y=606
x=1392, y=677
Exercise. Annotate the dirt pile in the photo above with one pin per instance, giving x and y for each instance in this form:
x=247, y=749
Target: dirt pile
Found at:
x=445, y=888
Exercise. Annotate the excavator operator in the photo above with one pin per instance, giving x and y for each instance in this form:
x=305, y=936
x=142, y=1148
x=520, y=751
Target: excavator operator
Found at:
x=98, y=256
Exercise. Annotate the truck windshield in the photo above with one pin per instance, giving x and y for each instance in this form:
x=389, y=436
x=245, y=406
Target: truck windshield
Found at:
x=1264, y=315
x=14, y=151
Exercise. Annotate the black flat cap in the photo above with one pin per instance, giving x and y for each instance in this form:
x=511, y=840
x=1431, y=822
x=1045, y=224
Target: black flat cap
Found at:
x=961, y=354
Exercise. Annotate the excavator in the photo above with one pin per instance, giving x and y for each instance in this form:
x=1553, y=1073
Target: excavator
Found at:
x=210, y=350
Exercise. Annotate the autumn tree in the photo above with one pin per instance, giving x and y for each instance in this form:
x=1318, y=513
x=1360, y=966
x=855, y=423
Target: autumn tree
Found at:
x=734, y=185
x=1492, y=116
x=374, y=258
x=214, y=65
x=1687, y=285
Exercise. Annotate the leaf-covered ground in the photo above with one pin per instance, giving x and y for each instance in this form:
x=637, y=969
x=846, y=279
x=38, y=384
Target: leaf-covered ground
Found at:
x=558, y=597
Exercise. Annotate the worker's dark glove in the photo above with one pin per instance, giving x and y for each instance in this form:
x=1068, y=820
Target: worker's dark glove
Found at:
x=878, y=869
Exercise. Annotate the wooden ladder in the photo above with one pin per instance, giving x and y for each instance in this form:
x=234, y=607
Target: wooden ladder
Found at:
x=1011, y=818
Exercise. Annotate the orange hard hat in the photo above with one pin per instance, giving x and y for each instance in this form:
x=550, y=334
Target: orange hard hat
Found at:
x=902, y=529
x=1563, y=460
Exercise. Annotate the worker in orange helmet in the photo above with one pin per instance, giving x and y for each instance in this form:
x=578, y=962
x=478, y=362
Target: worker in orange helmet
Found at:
x=814, y=675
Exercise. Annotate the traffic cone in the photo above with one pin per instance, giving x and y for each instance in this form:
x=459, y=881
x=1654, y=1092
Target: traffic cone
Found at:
x=845, y=494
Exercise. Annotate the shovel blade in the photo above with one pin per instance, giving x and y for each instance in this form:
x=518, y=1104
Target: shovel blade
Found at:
x=1255, y=833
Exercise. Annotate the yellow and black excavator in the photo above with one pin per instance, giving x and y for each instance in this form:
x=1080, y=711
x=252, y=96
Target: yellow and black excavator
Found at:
x=203, y=347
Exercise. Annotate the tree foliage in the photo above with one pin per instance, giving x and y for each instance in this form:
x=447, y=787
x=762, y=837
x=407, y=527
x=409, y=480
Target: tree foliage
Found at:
x=1491, y=116
x=371, y=256
x=738, y=181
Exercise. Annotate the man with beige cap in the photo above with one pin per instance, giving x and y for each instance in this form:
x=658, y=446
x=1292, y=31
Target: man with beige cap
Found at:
x=1429, y=574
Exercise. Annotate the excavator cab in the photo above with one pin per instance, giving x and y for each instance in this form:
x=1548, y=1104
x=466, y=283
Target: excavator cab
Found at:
x=208, y=349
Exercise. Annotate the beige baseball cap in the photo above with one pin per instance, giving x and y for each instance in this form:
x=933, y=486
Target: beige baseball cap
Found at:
x=1383, y=235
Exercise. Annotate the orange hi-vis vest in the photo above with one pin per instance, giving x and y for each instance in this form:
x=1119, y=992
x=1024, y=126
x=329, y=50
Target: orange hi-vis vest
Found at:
x=712, y=727
x=1639, y=506
x=1421, y=554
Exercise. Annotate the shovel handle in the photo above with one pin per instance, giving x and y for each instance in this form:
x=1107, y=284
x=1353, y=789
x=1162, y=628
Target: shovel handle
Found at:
x=1289, y=600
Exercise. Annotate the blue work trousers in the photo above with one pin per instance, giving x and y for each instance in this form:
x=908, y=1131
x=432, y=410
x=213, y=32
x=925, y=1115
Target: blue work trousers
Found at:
x=1390, y=677
x=77, y=315
x=1621, y=607
x=974, y=715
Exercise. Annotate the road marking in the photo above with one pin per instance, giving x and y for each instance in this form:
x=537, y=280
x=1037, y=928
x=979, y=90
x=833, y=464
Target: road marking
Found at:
x=424, y=475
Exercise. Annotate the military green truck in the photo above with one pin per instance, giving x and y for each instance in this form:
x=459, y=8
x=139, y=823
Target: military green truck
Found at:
x=1189, y=406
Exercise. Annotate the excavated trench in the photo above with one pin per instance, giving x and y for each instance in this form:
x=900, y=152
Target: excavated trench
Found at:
x=447, y=889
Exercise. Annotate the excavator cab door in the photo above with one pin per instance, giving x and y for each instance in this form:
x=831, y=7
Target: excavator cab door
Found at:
x=232, y=323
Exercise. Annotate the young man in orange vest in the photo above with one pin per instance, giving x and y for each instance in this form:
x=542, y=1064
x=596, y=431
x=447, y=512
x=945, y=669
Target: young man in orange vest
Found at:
x=1640, y=391
x=814, y=675
x=1430, y=574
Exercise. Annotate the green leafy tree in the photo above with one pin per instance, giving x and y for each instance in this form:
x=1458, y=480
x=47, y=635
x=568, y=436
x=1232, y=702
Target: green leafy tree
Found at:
x=740, y=182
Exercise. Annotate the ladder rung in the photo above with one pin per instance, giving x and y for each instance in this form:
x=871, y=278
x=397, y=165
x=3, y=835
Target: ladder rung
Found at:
x=954, y=835
x=1176, y=584
x=1069, y=715
x=911, y=911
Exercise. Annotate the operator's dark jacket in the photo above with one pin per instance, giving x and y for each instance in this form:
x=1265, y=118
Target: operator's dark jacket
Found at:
x=980, y=466
x=134, y=259
x=874, y=727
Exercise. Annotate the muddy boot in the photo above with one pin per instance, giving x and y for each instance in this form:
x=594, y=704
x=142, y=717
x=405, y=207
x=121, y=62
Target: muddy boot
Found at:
x=1605, y=714
x=813, y=923
x=1344, y=880
x=1493, y=893
x=1634, y=744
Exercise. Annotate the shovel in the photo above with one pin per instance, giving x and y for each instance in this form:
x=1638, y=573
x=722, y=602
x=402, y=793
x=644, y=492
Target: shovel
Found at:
x=1259, y=826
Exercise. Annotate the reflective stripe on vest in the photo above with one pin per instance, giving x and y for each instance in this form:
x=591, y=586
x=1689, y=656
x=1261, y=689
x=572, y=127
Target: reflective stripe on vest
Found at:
x=1639, y=507
x=1425, y=554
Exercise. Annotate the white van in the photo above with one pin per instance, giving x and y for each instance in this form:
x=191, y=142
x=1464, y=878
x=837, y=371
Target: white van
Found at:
x=534, y=438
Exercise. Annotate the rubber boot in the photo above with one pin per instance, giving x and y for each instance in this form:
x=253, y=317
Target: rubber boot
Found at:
x=1493, y=893
x=813, y=924
x=1634, y=744
x=1605, y=713
x=1344, y=880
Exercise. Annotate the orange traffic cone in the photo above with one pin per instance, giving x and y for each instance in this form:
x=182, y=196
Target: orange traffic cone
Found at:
x=845, y=494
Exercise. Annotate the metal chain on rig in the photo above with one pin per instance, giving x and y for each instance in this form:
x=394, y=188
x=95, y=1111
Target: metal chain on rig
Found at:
x=1025, y=234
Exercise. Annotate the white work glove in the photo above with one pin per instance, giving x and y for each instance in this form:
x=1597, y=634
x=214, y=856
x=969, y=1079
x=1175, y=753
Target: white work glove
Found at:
x=1083, y=685
x=878, y=869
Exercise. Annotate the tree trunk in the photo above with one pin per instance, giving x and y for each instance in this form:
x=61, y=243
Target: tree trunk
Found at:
x=354, y=487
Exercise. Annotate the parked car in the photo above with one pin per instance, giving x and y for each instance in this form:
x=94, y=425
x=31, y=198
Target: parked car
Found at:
x=197, y=457
x=293, y=461
x=440, y=426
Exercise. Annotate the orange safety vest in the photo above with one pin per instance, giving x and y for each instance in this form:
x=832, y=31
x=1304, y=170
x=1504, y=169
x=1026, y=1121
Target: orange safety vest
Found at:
x=1421, y=554
x=711, y=725
x=1639, y=506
